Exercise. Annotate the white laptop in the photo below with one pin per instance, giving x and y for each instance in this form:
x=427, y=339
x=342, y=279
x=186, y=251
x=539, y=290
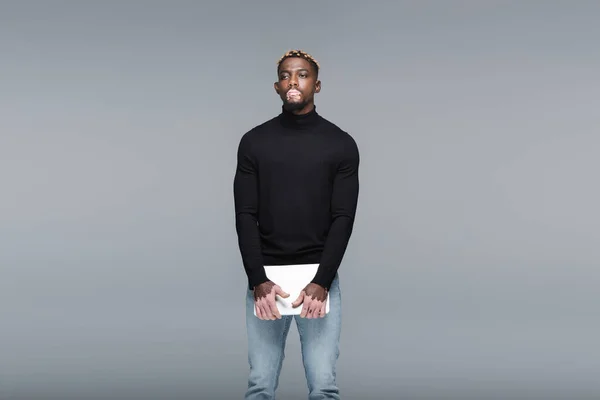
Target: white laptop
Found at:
x=292, y=279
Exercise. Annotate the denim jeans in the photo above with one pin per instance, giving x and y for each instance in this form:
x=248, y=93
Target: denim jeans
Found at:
x=319, y=340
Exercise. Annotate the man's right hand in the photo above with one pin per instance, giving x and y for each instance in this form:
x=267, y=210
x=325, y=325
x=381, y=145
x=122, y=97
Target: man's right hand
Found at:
x=264, y=300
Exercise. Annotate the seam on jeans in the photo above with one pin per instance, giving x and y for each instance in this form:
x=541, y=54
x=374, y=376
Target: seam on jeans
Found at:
x=284, y=332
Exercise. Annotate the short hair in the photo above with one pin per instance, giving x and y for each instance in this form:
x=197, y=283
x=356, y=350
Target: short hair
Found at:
x=301, y=54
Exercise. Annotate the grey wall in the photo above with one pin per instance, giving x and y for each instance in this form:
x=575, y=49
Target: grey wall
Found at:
x=473, y=269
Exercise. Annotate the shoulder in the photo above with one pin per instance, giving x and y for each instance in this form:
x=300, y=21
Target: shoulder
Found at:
x=346, y=142
x=265, y=126
x=252, y=137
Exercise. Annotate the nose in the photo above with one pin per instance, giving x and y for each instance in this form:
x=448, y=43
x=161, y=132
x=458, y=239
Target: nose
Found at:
x=293, y=81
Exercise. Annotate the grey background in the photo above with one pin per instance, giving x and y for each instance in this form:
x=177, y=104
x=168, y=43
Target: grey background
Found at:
x=473, y=268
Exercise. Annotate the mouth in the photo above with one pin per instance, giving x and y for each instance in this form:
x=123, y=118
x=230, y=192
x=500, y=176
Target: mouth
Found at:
x=293, y=94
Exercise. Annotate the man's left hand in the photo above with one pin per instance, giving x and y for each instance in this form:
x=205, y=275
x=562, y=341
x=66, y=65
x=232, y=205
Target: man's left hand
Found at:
x=314, y=297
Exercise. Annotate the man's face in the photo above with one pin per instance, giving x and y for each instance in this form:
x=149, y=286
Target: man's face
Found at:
x=296, y=85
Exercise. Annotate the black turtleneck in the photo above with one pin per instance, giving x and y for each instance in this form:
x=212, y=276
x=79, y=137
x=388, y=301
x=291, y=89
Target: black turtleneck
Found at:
x=295, y=192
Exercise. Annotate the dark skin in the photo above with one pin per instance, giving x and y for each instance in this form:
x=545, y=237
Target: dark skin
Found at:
x=296, y=86
x=296, y=73
x=313, y=298
x=264, y=300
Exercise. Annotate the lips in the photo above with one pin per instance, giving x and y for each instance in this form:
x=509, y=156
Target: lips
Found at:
x=293, y=94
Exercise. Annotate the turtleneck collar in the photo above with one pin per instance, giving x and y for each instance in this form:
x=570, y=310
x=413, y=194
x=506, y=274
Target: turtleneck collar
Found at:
x=303, y=121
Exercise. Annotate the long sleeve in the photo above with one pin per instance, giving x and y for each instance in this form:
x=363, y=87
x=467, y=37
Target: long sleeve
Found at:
x=245, y=189
x=344, y=202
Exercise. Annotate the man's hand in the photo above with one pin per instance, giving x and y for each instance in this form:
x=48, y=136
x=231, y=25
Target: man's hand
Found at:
x=264, y=300
x=314, y=297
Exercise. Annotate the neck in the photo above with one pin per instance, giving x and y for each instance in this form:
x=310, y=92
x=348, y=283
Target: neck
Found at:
x=300, y=119
x=304, y=110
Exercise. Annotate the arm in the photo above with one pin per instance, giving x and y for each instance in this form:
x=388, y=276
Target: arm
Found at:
x=344, y=201
x=245, y=188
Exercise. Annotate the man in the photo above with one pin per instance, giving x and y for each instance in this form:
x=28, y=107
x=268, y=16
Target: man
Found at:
x=296, y=193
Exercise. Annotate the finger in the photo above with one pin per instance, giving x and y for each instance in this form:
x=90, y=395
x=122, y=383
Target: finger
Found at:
x=274, y=309
x=269, y=311
x=309, y=308
x=258, y=311
x=269, y=304
x=279, y=291
x=323, y=309
x=299, y=300
x=266, y=314
x=305, y=307
x=316, y=310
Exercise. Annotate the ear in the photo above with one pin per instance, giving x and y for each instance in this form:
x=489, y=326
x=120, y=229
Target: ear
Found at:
x=276, y=87
x=317, y=86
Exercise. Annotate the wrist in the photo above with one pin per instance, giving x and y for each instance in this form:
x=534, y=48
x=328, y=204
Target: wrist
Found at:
x=258, y=277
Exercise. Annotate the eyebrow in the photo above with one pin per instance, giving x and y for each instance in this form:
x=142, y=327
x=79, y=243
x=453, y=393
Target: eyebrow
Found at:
x=298, y=69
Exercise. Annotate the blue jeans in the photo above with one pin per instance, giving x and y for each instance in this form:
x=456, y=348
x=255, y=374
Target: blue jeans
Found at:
x=319, y=340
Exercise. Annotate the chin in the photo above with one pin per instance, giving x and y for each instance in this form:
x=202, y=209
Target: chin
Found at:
x=295, y=106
